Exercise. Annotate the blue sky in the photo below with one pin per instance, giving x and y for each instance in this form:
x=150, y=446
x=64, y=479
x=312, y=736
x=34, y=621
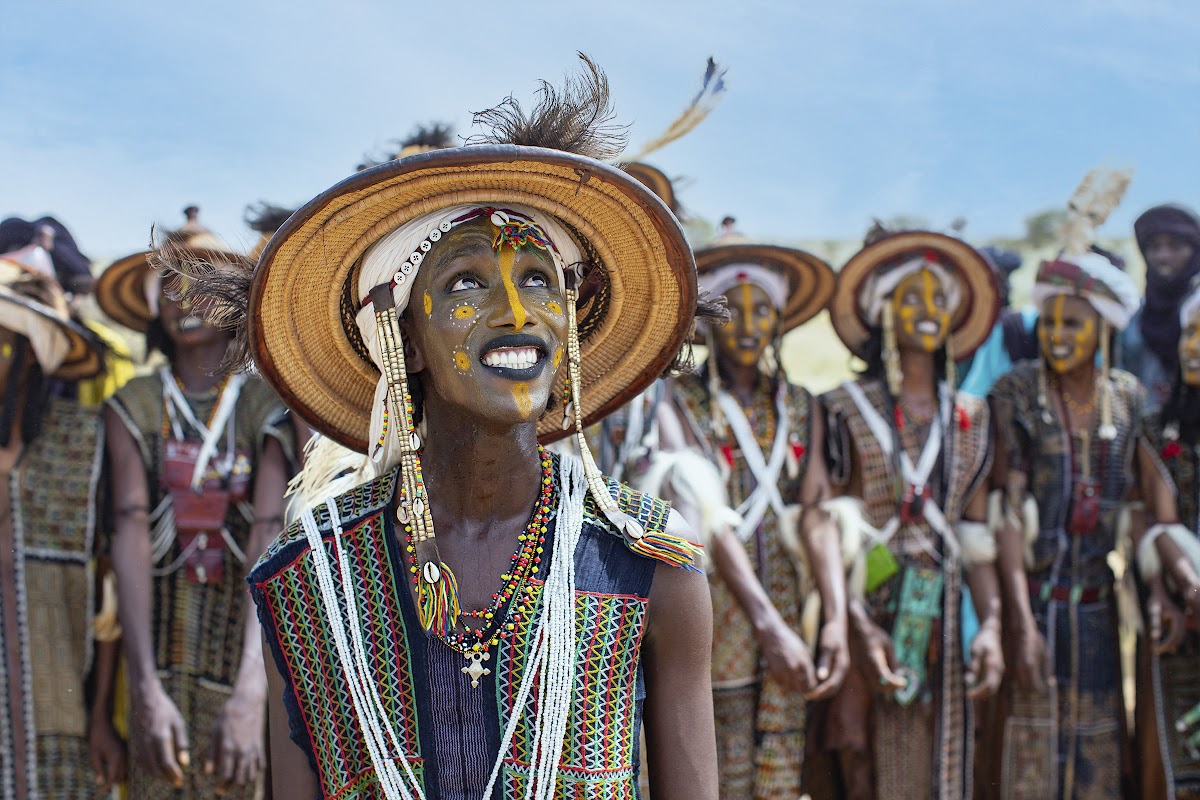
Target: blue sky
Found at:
x=117, y=114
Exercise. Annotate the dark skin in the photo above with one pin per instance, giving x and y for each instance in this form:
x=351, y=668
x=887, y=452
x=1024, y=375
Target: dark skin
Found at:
x=921, y=299
x=483, y=423
x=237, y=754
x=1167, y=255
x=739, y=347
x=1068, y=339
x=106, y=751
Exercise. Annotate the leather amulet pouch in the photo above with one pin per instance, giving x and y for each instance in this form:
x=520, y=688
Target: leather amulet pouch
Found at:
x=920, y=607
x=199, y=516
x=1085, y=506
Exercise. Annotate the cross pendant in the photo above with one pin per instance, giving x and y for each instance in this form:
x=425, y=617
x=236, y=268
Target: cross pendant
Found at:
x=475, y=669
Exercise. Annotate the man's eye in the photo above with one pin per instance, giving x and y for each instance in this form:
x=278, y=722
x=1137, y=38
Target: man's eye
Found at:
x=465, y=282
x=939, y=299
x=536, y=279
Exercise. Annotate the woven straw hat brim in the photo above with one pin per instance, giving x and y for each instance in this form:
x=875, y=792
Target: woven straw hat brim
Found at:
x=82, y=360
x=655, y=180
x=300, y=340
x=121, y=288
x=121, y=292
x=975, y=316
x=810, y=280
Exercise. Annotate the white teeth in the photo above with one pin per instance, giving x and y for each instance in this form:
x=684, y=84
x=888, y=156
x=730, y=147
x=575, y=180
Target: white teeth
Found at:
x=927, y=327
x=512, y=357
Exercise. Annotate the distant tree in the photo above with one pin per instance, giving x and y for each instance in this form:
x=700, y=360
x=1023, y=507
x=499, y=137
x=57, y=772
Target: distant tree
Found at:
x=1041, y=228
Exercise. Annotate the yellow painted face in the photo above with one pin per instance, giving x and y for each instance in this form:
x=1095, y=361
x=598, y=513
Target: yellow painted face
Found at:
x=1189, y=351
x=1069, y=332
x=428, y=304
x=921, y=311
x=753, y=320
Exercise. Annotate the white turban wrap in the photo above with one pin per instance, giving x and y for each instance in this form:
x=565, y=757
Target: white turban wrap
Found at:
x=1110, y=291
x=383, y=260
x=879, y=286
x=720, y=280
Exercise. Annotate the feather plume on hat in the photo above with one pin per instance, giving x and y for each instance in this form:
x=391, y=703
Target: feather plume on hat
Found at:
x=1097, y=195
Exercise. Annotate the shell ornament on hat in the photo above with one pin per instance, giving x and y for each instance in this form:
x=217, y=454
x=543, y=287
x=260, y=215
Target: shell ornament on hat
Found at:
x=868, y=279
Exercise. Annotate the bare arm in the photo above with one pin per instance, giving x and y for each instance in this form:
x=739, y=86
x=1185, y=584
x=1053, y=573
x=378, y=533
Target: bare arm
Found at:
x=291, y=774
x=157, y=722
x=987, y=658
x=106, y=750
x=820, y=537
x=1159, y=499
x=238, y=754
x=679, y=712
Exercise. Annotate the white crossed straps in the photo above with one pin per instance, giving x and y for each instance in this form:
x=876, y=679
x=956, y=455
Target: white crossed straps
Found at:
x=766, y=473
x=916, y=476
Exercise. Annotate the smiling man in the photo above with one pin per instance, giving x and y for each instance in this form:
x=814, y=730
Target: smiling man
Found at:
x=465, y=615
x=764, y=436
x=918, y=456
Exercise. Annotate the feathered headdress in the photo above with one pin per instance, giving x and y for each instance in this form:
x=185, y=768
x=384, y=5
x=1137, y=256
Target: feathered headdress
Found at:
x=1097, y=195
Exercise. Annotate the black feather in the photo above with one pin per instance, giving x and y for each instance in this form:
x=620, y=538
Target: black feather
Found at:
x=575, y=118
x=263, y=217
x=217, y=289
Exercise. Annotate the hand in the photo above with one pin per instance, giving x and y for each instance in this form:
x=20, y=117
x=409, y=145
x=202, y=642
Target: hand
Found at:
x=876, y=656
x=1032, y=663
x=833, y=661
x=987, y=663
x=107, y=753
x=1166, y=621
x=787, y=657
x=237, y=755
x=162, y=735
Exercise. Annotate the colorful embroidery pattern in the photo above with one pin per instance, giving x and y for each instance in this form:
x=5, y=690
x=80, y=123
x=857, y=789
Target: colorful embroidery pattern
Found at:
x=292, y=596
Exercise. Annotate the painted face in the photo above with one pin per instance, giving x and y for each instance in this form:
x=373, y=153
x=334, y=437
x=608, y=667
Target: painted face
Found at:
x=753, y=319
x=491, y=331
x=1189, y=351
x=1069, y=332
x=183, y=327
x=1167, y=255
x=921, y=311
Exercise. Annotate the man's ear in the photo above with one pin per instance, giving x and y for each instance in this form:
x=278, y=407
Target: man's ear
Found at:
x=414, y=359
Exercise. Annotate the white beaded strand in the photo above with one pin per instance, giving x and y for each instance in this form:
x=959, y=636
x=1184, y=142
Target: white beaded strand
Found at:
x=389, y=778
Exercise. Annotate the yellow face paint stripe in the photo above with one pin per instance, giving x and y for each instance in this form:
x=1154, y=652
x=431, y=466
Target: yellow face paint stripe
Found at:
x=508, y=258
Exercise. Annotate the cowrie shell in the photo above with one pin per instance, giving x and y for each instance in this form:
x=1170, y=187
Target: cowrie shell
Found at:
x=499, y=218
x=431, y=573
x=414, y=441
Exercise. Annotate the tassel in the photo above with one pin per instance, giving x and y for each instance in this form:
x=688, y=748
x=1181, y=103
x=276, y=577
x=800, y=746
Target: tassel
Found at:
x=667, y=548
x=437, y=602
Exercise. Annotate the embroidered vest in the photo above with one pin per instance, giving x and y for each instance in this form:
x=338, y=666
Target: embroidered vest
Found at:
x=1040, y=446
x=600, y=754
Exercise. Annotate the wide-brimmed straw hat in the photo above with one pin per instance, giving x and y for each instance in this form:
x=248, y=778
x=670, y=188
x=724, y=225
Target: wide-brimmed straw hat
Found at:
x=28, y=297
x=656, y=180
x=972, y=321
x=810, y=280
x=121, y=289
x=304, y=296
